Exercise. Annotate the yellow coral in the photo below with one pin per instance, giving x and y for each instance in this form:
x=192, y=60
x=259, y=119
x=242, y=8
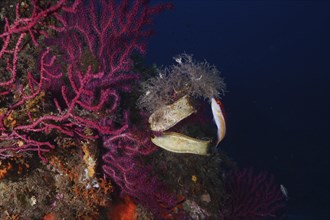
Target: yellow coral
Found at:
x=4, y=168
x=9, y=121
x=89, y=160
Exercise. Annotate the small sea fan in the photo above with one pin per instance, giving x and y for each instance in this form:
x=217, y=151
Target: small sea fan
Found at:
x=253, y=196
x=186, y=77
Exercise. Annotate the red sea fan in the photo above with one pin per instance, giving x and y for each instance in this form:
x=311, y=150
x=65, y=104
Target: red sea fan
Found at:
x=123, y=165
x=20, y=135
x=252, y=196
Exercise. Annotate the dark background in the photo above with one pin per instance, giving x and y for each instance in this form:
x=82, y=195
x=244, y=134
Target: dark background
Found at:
x=275, y=58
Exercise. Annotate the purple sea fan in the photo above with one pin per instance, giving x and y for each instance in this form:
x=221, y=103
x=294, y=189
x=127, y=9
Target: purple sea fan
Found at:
x=95, y=53
x=123, y=165
x=252, y=196
x=104, y=34
x=23, y=134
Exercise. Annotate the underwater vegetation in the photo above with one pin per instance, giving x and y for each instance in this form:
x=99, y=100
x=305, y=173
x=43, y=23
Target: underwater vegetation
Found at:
x=83, y=123
x=185, y=77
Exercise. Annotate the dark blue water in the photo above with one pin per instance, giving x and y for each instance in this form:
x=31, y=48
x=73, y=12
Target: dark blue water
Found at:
x=275, y=58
